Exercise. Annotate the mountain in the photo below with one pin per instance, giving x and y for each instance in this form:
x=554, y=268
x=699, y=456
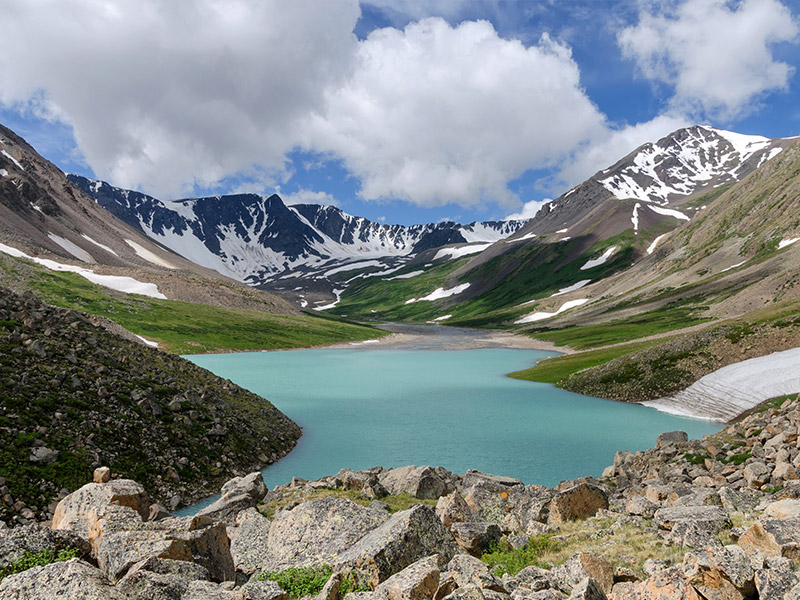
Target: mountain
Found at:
x=262, y=242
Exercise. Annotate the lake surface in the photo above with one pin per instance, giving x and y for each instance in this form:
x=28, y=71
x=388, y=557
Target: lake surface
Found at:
x=365, y=407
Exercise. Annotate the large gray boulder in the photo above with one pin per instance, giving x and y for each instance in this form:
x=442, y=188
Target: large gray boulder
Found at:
x=578, y=502
x=672, y=438
x=404, y=539
x=713, y=518
x=73, y=579
x=421, y=482
x=16, y=541
x=418, y=581
x=720, y=572
x=773, y=537
x=317, y=532
x=454, y=509
x=121, y=539
x=475, y=537
x=237, y=495
x=249, y=541
x=160, y=579
x=581, y=565
x=72, y=511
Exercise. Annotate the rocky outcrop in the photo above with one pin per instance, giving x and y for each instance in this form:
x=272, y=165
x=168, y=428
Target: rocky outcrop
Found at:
x=237, y=495
x=72, y=512
x=71, y=579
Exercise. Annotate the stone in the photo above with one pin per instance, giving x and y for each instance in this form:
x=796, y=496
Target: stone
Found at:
x=42, y=455
x=405, y=538
x=454, y=509
x=757, y=474
x=73, y=579
x=782, y=509
x=720, y=573
x=16, y=541
x=640, y=505
x=578, y=502
x=206, y=590
x=319, y=531
x=580, y=566
x=102, y=475
x=464, y=570
x=263, y=590
x=672, y=438
x=668, y=584
x=775, y=583
x=587, y=589
x=249, y=541
x=121, y=539
x=71, y=512
x=472, y=477
x=694, y=534
x=418, y=581
x=713, y=517
x=420, y=482
x=475, y=537
x=237, y=495
x=160, y=579
x=773, y=537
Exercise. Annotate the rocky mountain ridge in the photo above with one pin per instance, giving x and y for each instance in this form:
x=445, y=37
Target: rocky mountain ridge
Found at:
x=694, y=519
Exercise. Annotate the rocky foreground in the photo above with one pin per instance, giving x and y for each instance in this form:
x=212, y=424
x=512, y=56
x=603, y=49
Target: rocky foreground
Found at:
x=711, y=519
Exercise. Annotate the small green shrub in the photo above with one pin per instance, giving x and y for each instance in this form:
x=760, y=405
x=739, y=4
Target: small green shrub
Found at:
x=511, y=560
x=736, y=459
x=38, y=559
x=309, y=581
x=695, y=459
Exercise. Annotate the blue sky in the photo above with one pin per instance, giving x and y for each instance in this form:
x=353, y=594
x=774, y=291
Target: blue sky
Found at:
x=404, y=111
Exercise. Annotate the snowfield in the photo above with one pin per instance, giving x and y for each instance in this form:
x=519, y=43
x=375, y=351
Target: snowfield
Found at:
x=783, y=243
x=440, y=293
x=128, y=285
x=144, y=253
x=601, y=260
x=726, y=393
x=98, y=244
x=572, y=288
x=651, y=248
x=669, y=212
x=540, y=316
x=73, y=249
x=459, y=252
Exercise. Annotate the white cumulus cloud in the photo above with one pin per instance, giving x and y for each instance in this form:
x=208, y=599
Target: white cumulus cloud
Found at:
x=304, y=196
x=528, y=210
x=716, y=54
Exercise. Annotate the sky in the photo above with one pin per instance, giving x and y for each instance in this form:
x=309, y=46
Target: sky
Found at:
x=400, y=111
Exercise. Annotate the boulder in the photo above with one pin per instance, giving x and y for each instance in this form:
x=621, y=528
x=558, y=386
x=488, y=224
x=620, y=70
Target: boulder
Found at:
x=720, y=573
x=756, y=474
x=454, y=509
x=72, y=511
x=16, y=541
x=588, y=589
x=667, y=584
x=237, y=495
x=472, y=477
x=578, y=502
x=60, y=580
x=464, y=570
x=366, y=482
x=318, y=531
x=405, y=538
x=641, y=506
x=713, y=518
x=672, y=438
x=121, y=539
x=421, y=482
x=773, y=537
x=475, y=537
x=206, y=590
x=782, y=509
x=263, y=590
x=580, y=566
x=775, y=583
x=101, y=475
x=160, y=579
x=249, y=540
x=418, y=581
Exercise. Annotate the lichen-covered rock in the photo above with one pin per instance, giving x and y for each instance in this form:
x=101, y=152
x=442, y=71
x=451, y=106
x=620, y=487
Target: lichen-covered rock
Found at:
x=713, y=517
x=776, y=581
x=773, y=537
x=206, y=590
x=581, y=565
x=421, y=482
x=782, y=509
x=71, y=513
x=405, y=538
x=16, y=541
x=475, y=537
x=160, y=579
x=318, y=531
x=454, y=509
x=464, y=570
x=249, y=540
x=263, y=590
x=641, y=506
x=578, y=502
x=720, y=573
x=667, y=584
x=418, y=581
x=73, y=579
x=237, y=495
x=672, y=438
x=588, y=589
x=757, y=474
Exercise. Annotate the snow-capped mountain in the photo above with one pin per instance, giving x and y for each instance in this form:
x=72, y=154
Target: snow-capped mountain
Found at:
x=667, y=172
x=258, y=239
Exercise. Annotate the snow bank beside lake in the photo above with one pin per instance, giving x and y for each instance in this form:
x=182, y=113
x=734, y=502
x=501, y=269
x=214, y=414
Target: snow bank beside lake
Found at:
x=728, y=392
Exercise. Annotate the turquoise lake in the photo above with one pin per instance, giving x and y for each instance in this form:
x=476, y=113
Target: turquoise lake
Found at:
x=360, y=408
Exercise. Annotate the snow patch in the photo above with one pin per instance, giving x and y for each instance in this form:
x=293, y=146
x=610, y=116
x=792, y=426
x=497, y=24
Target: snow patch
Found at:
x=739, y=264
x=338, y=294
x=563, y=230
x=572, y=288
x=12, y=159
x=353, y=266
x=150, y=343
x=539, y=316
x=98, y=244
x=727, y=392
x=527, y=236
x=651, y=248
x=73, y=249
x=459, y=252
x=601, y=260
x=3, y=173
x=784, y=243
x=127, y=285
x=144, y=253
x=364, y=342
x=635, y=218
x=440, y=293
x=437, y=319
x=669, y=212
